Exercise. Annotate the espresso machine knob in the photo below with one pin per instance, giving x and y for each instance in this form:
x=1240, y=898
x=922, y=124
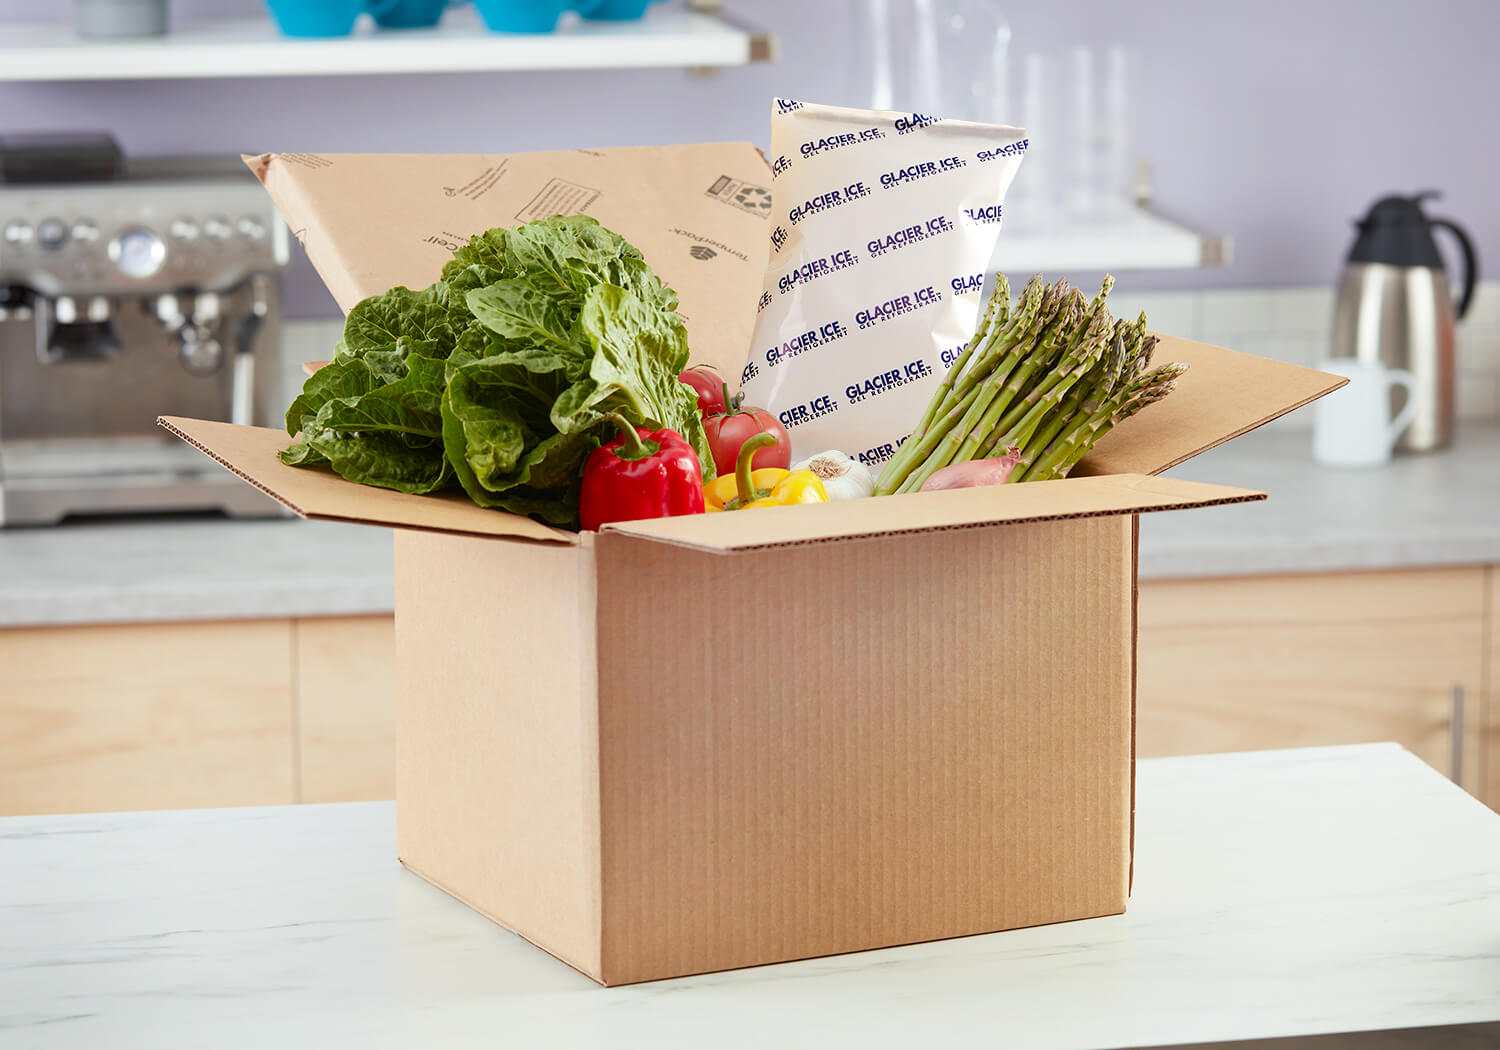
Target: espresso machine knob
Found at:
x=51, y=234
x=138, y=252
x=200, y=353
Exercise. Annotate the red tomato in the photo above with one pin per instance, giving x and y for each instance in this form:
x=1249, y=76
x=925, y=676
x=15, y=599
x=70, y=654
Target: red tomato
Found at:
x=709, y=386
x=730, y=429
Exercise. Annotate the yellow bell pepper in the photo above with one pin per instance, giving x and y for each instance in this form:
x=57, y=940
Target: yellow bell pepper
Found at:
x=766, y=487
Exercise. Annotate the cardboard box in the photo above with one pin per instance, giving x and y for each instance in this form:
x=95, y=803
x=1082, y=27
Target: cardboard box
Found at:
x=699, y=743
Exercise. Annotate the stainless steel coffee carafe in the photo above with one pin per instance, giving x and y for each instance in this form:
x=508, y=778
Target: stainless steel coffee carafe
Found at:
x=1394, y=307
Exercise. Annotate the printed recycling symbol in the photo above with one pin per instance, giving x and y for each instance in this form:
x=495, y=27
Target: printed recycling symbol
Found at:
x=754, y=198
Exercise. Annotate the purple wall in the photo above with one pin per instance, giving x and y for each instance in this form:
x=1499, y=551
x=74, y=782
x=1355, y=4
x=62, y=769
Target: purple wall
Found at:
x=1273, y=121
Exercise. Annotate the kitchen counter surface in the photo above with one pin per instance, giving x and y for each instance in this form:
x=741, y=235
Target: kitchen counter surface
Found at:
x=191, y=568
x=1421, y=511
x=1276, y=894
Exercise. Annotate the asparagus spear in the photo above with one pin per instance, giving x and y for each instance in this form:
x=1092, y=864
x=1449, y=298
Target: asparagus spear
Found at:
x=995, y=313
x=957, y=400
x=997, y=350
x=1059, y=314
x=1084, y=433
x=1092, y=389
x=1029, y=318
x=1086, y=346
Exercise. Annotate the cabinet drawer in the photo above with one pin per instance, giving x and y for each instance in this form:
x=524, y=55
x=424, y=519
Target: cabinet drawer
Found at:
x=145, y=716
x=1263, y=662
x=346, y=704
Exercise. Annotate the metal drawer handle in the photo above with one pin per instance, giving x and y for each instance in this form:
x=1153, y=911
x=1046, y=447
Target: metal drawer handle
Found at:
x=1456, y=736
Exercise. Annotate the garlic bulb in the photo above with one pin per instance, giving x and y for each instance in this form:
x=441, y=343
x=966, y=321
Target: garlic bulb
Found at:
x=843, y=476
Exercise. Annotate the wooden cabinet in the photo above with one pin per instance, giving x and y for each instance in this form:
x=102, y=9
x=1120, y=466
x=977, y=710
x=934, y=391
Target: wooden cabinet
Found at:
x=252, y=712
x=1263, y=662
x=181, y=715
x=145, y=716
x=1490, y=702
x=346, y=709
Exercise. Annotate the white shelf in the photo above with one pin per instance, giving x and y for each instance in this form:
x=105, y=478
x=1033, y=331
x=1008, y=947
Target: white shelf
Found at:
x=666, y=37
x=1136, y=240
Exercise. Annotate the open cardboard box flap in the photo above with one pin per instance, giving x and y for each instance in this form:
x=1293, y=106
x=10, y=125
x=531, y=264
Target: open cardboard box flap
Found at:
x=934, y=511
x=1223, y=395
x=250, y=452
x=697, y=212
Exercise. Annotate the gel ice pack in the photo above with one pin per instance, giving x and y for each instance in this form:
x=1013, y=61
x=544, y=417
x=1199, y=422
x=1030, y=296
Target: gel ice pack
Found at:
x=882, y=225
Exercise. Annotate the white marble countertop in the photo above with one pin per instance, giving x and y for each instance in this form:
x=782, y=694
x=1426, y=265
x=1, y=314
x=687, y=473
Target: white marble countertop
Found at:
x=1423, y=511
x=1276, y=894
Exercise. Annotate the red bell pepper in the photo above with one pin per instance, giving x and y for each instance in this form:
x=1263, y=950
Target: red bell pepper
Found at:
x=640, y=474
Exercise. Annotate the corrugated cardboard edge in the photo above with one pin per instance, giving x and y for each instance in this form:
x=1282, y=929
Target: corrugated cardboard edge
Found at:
x=1135, y=677
x=1338, y=382
x=176, y=431
x=597, y=977
x=644, y=530
x=419, y=516
x=588, y=631
x=1224, y=394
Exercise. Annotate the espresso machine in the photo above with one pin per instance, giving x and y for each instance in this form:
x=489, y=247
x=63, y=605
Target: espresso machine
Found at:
x=129, y=289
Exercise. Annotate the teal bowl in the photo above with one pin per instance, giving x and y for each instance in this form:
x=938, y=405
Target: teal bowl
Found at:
x=522, y=16
x=315, y=18
x=618, y=10
x=410, y=14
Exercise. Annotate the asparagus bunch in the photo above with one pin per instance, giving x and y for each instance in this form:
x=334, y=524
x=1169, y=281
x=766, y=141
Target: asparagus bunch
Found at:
x=1047, y=377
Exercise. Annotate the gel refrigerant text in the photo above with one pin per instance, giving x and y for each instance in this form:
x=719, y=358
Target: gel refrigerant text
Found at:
x=901, y=304
x=952, y=354
x=828, y=200
x=915, y=122
x=874, y=457
x=888, y=380
x=810, y=271
x=932, y=227
x=808, y=411
x=809, y=340
x=966, y=283
x=1011, y=149
x=847, y=138
x=892, y=180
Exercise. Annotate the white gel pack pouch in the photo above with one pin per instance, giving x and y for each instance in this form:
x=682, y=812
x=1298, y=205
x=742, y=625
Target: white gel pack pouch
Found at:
x=882, y=226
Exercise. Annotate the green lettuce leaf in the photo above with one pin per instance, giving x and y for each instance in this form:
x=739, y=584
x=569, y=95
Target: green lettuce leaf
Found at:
x=402, y=319
x=500, y=443
x=501, y=375
x=638, y=353
x=380, y=433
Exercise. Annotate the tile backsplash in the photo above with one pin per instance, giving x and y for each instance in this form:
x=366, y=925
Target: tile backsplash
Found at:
x=1296, y=325
x=1287, y=324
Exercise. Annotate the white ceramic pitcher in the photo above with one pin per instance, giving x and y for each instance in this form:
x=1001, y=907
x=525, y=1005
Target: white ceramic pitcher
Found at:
x=1352, y=427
